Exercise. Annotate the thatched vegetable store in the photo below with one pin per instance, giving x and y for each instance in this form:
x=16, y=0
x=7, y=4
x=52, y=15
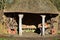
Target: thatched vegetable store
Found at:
x=40, y=15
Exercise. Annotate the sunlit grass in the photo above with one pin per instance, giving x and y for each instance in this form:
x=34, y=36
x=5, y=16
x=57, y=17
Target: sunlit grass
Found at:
x=7, y=39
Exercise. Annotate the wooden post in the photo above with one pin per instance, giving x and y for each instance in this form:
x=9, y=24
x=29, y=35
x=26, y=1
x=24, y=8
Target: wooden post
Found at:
x=20, y=24
x=43, y=25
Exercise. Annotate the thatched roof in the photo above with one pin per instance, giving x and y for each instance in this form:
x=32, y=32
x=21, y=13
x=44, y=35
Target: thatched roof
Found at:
x=32, y=6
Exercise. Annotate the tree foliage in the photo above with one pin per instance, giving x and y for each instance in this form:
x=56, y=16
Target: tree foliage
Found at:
x=2, y=4
x=56, y=3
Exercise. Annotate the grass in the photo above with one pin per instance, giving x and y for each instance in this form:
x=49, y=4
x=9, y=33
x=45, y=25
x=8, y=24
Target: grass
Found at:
x=15, y=39
x=12, y=38
x=7, y=39
x=56, y=39
x=59, y=33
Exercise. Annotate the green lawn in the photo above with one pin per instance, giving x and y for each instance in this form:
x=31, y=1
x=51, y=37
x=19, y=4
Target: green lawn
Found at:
x=7, y=39
x=17, y=39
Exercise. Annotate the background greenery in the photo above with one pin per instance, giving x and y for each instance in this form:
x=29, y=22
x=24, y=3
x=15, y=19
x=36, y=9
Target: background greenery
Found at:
x=2, y=4
x=56, y=3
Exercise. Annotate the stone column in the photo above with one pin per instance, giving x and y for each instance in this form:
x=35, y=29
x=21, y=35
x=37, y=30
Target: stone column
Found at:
x=20, y=24
x=43, y=25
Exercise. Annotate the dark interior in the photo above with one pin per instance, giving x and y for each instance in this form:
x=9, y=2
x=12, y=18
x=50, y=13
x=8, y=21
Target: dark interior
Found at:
x=30, y=18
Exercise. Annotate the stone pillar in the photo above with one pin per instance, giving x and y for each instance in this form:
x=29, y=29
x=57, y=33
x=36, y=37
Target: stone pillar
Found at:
x=43, y=25
x=20, y=24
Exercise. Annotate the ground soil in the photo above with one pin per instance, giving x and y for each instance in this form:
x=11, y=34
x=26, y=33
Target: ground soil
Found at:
x=32, y=37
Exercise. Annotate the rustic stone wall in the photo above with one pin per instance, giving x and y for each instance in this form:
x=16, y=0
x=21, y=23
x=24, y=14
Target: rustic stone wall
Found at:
x=3, y=29
x=1, y=15
x=59, y=22
x=56, y=24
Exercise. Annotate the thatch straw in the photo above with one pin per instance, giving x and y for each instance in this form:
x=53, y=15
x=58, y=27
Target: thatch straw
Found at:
x=32, y=6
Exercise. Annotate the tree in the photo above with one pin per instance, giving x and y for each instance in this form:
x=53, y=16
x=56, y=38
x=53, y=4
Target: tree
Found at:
x=1, y=9
x=2, y=4
x=56, y=3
